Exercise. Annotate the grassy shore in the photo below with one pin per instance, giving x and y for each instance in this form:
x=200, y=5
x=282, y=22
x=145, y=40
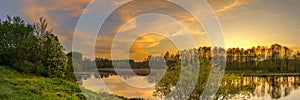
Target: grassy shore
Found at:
x=16, y=86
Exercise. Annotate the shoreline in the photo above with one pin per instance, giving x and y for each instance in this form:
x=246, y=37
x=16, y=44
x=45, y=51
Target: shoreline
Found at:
x=138, y=71
x=146, y=71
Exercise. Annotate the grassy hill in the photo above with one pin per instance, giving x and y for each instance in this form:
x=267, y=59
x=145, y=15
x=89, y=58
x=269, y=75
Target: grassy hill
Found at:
x=16, y=86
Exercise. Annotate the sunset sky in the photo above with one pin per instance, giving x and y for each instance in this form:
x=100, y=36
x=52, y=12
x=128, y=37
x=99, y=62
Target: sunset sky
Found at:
x=245, y=23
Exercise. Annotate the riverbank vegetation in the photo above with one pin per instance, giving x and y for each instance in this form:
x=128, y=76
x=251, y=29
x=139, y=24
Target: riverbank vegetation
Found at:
x=32, y=48
x=34, y=65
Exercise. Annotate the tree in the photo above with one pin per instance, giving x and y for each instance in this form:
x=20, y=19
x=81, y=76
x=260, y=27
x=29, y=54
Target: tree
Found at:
x=18, y=46
x=276, y=48
x=297, y=65
x=287, y=54
x=51, y=51
x=263, y=53
x=31, y=48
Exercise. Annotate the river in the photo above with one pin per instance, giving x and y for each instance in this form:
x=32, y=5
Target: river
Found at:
x=232, y=87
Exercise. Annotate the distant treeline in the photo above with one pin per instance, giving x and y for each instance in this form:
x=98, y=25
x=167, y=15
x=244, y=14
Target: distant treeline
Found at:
x=276, y=58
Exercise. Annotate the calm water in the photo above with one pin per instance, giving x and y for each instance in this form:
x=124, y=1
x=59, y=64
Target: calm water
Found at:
x=233, y=87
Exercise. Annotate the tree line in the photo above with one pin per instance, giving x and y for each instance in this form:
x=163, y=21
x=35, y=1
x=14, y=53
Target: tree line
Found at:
x=275, y=58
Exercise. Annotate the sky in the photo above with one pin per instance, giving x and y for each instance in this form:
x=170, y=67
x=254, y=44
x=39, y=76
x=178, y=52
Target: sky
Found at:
x=245, y=23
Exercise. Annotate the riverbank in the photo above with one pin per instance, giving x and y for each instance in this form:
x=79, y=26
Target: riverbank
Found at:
x=15, y=85
x=18, y=86
x=146, y=71
x=138, y=71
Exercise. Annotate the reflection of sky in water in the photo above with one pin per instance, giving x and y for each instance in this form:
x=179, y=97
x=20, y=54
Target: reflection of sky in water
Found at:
x=118, y=87
x=286, y=88
x=139, y=82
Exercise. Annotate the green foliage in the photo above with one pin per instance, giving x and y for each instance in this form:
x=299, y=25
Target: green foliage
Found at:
x=31, y=48
x=16, y=86
x=261, y=59
x=15, y=38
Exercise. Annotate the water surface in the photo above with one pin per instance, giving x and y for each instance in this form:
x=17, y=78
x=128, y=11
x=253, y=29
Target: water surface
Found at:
x=232, y=87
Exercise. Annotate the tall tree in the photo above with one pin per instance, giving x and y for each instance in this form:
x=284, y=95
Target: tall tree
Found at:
x=276, y=48
x=53, y=58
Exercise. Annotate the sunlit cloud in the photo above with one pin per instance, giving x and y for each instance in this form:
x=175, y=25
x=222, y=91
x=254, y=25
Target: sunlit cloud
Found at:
x=271, y=36
x=228, y=7
x=120, y=2
x=223, y=6
x=53, y=10
x=131, y=24
x=57, y=11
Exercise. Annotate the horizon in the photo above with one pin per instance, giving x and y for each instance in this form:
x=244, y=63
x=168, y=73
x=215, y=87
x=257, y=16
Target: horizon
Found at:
x=226, y=49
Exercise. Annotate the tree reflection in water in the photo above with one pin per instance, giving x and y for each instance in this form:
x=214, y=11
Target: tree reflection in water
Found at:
x=232, y=86
x=236, y=87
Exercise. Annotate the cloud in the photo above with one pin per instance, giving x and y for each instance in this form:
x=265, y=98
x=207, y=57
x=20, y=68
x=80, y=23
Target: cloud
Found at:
x=120, y=46
x=54, y=11
x=58, y=11
x=131, y=24
x=84, y=42
x=145, y=24
x=228, y=7
x=223, y=6
x=120, y=2
x=271, y=36
x=149, y=38
x=153, y=44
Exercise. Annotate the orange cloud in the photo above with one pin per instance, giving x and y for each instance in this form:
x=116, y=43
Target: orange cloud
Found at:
x=120, y=2
x=149, y=38
x=228, y=7
x=131, y=24
x=153, y=44
x=222, y=6
x=33, y=9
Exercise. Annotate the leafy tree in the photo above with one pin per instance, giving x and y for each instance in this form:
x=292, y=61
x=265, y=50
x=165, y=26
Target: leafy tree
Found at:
x=31, y=48
x=51, y=51
x=18, y=44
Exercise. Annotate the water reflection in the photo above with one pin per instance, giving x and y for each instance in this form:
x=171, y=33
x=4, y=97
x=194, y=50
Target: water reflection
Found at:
x=116, y=86
x=232, y=86
x=253, y=87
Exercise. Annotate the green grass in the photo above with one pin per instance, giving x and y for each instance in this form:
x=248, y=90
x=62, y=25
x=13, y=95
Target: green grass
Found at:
x=16, y=86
